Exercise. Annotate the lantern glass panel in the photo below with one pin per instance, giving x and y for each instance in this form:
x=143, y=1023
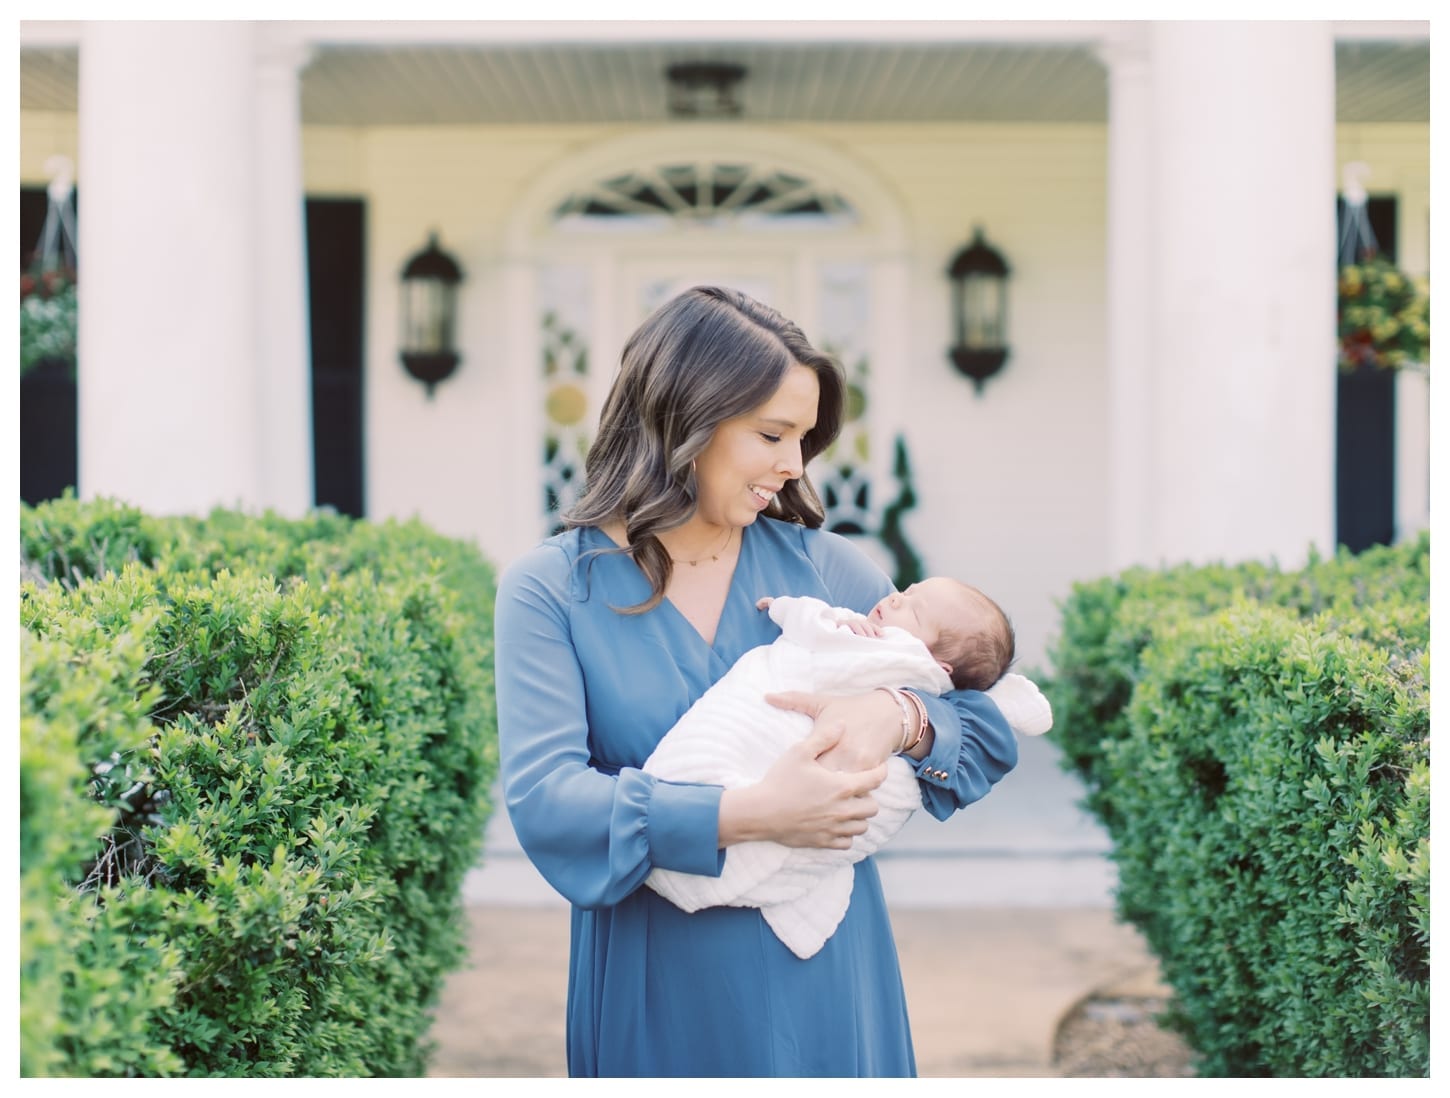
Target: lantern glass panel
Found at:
x=427, y=316
x=984, y=300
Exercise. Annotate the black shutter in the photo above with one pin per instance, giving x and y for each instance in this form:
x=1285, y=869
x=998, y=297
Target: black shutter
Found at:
x=48, y=461
x=1365, y=427
x=335, y=287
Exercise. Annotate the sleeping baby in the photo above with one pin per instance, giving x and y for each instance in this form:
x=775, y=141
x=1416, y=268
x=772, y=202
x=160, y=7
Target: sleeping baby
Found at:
x=937, y=635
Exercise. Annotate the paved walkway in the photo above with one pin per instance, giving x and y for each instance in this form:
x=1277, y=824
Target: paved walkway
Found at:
x=1003, y=920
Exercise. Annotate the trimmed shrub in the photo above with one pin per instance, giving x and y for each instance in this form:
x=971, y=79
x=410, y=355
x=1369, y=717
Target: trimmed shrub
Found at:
x=68, y=542
x=1263, y=770
x=285, y=826
x=1273, y=844
x=76, y=987
x=1107, y=624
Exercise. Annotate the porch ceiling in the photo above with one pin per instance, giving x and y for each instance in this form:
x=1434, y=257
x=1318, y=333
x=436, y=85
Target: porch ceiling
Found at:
x=857, y=81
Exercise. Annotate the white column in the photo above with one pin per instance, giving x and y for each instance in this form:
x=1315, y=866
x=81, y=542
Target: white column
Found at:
x=284, y=361
x=194, y=379
x=167, y=416
x=1412, y=453
x=1412, y=387
x=1129, y=286
x=1243, y=290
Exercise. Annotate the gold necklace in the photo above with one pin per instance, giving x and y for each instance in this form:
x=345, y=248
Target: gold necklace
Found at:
x=729, y=534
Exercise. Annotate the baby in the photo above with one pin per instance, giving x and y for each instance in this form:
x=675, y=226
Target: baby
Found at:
x=966, y=632
x=936, y=635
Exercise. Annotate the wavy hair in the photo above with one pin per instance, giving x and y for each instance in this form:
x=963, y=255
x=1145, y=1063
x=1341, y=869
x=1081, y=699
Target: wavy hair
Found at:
x=707, y=356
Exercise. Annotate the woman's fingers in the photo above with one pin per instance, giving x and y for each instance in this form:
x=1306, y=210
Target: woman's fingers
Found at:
x=822, y=738
x=817, y=806
x=862, y=782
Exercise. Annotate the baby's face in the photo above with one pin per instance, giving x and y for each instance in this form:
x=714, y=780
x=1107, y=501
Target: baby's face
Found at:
x=925, y=608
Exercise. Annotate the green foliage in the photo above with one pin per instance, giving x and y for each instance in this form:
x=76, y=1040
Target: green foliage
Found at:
x=1257, y=744
x=48, y=314
x=1108, y=623
x=274, y=771
x=66, y=541
x=893, y=536
x=83, y=711
x=1384, y=316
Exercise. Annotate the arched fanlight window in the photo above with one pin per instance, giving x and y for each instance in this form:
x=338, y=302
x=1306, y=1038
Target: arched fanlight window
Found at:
x=710, y=192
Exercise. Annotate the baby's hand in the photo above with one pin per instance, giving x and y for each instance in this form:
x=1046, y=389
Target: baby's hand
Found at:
x=763, y=604
x=863, y=627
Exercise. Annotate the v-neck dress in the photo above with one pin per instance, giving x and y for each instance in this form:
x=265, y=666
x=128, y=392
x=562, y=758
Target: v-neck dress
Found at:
x=584, y=695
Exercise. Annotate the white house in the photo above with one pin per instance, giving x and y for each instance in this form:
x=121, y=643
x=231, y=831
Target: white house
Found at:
x=1163, y=193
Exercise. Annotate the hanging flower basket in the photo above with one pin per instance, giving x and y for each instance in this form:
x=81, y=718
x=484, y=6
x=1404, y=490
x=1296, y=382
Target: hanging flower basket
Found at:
x=1384, y=317
x=47, y=318
x=48, y=279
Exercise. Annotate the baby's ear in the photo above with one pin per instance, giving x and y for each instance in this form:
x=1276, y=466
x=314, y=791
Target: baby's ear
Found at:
x=945, y=667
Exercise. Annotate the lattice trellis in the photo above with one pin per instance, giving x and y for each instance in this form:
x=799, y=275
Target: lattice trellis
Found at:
x=566, y=417
x=843, y=475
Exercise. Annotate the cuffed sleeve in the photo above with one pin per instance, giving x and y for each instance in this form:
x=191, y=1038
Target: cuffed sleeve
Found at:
x=973, y=749
x=683, y=828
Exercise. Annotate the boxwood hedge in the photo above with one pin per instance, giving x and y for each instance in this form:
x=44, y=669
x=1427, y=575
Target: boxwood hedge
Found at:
x=255, y=759
x=1257, y=744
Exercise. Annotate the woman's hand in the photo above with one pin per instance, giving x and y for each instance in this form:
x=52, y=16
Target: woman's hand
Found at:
x=799, y=802
x=870, y=724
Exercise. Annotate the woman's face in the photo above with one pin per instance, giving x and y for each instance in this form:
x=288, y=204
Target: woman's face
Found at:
x=752, y=457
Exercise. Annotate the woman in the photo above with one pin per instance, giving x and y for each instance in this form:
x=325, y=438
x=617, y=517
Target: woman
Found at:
x=696, y=505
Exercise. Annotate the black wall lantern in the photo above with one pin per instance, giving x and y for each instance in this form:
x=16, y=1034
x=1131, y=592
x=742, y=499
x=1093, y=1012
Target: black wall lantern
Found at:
x=430, y=302
x=979, y=310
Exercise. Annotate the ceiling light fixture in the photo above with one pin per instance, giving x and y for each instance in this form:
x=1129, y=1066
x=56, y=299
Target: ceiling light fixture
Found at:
x=704, y=89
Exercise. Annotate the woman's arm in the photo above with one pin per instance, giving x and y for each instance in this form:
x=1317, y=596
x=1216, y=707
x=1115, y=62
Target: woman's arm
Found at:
x=594, y=836
x=972, y=748
x=968, y=746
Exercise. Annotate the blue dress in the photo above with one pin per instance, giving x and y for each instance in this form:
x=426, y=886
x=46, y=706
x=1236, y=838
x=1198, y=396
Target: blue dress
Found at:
x=584, y=694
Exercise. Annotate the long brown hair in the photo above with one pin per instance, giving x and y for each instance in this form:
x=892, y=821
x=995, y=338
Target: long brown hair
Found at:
x=702, y=358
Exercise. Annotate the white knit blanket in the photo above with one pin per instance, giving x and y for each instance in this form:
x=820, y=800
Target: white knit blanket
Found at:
x=731, y=736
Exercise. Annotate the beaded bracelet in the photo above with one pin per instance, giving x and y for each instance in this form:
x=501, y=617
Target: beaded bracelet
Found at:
x=905, y=707
x=923, y=721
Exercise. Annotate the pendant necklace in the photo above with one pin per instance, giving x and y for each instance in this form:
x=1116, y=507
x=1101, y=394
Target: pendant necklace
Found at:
x=729, y=534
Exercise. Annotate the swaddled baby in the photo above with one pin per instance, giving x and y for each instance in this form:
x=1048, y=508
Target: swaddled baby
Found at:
x=937, y=635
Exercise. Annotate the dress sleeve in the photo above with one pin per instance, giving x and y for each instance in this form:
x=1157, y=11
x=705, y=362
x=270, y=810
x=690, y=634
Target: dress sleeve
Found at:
x=973, y=750
x=974, y=746
x=593, y=835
